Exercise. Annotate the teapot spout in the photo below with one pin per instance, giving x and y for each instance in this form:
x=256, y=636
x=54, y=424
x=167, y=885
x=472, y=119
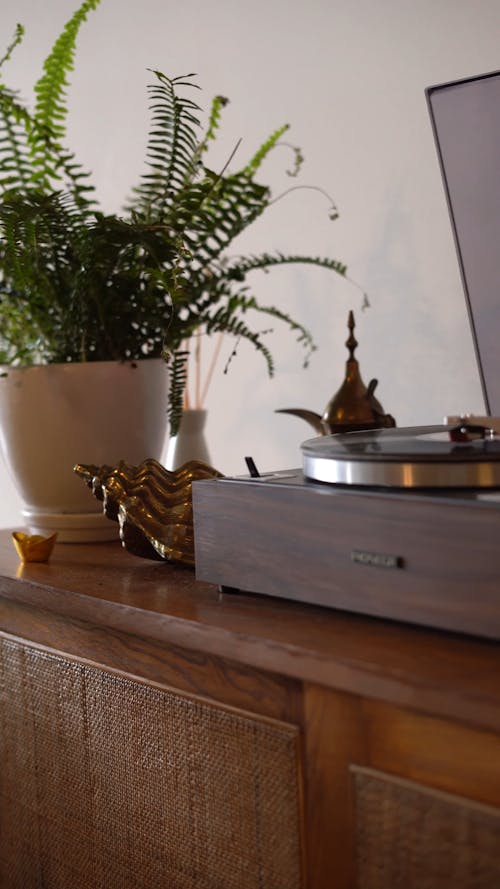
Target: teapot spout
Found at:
x=310, y=417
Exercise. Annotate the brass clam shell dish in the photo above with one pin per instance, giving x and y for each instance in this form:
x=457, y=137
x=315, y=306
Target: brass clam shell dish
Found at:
x=152, y=505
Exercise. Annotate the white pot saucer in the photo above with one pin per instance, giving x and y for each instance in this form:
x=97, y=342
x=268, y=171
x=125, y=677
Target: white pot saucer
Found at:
x=87, y=527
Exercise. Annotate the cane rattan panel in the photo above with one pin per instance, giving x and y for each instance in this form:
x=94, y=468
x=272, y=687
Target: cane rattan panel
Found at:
x=109, y=783
x=411, y=837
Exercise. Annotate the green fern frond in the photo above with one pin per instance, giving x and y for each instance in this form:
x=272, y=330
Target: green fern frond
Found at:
x=16, y=40
x=224, y=322
x=15, y=166
x=172, y=151
x=41, y=233
x=178, y=367
x=224, y=211
x=298, y=159
x=241, y=302
x=30, y=153
x=239, y=268
x=218, y=103
x=50, y=107
x=304, y=336
x=267, y=146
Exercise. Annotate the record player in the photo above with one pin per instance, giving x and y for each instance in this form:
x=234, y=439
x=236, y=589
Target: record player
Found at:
x=394, y=523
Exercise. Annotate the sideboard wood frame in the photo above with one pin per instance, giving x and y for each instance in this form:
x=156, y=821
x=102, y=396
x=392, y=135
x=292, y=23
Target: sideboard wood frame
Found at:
x=416, y=705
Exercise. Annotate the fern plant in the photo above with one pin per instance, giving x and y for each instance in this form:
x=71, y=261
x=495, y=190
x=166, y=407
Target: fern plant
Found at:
x=80, y=285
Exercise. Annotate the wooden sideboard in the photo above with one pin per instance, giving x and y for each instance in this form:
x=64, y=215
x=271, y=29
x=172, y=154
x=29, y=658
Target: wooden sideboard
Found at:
x=155, y=733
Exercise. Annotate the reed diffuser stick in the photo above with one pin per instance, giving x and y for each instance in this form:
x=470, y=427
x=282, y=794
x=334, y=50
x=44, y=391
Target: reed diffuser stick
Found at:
x=213, y=362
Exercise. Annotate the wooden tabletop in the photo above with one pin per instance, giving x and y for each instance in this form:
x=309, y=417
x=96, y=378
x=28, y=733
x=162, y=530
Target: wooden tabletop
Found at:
x=102, y=584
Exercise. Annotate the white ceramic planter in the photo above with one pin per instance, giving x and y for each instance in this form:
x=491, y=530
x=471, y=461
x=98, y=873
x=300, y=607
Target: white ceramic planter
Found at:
x=54, y=416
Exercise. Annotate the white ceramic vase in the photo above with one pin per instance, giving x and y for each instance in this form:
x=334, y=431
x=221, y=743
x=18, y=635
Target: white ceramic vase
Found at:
x=189, y=443
x=54, y=416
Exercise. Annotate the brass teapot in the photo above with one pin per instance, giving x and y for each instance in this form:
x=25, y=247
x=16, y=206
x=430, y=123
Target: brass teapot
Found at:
x=354, y=406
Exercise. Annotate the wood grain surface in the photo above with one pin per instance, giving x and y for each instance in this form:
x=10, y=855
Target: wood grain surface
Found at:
x=107, y=588
x=299, y=541
x=356, y=693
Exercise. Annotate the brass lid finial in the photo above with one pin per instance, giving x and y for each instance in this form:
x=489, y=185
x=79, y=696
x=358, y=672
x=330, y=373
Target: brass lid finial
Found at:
x=351, y=342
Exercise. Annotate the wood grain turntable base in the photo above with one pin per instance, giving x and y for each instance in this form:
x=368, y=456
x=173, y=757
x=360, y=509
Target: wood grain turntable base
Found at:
x=419, y=556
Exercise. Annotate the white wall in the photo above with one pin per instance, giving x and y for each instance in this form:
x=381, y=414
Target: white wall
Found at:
x=349, y=75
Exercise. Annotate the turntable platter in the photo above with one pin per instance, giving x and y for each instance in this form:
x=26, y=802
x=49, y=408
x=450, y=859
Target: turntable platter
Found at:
x=413, y=457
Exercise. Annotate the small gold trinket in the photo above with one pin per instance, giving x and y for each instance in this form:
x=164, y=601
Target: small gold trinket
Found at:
x=33, y=547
